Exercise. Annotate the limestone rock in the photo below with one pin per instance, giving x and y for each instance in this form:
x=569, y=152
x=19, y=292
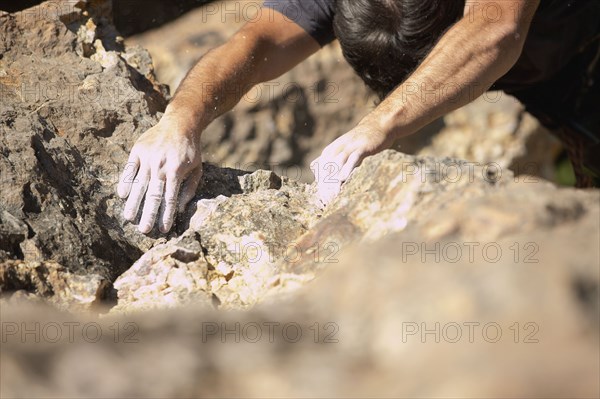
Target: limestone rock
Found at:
x=52, y=282
x=496, y=129
x=168, y=275
x=257, y=244
x=428, y=276
x=234, y=246
x=260, y=180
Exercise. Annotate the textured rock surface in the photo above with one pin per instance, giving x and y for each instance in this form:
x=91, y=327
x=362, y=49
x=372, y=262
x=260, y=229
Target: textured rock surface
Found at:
x=253, y=245
x=495, y=128
x=71, y=108
x=505, y=328
x=51, y=282
x=229, y=254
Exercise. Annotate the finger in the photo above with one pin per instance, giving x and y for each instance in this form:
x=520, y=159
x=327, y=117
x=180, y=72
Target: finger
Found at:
x=336, y=147
x=349, y=166
x=128, y=175
x=154, y=197
x=189, y=188
x=138, y=189
x=314, y=167
x=332, y=167
x=329, y=184
x=169, y=205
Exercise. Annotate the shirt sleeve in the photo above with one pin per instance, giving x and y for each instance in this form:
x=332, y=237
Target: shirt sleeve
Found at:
x=314, y=16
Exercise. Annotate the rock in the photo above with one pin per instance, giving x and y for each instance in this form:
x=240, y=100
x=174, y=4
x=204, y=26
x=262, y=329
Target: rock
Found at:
x=168, y=275
x=52, y=282
x=496, y=129
x=260, y=180
x=12, y=231
x=380, y=321
x=260, y=243
x=234, y=245
x=428, y=275
x=71, y=109
x=205, y=208
x=404, y=189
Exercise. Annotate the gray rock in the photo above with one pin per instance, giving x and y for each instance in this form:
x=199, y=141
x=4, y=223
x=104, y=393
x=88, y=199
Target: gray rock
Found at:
x=260, y=180
x=71, y=108
x=234, y=245
x=53, y=283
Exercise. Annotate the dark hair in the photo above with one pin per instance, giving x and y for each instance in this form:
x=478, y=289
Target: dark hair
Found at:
x=385, y=40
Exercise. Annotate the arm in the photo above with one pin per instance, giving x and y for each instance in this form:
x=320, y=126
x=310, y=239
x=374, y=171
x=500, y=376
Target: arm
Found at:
x=168, y=155
x=466, y=61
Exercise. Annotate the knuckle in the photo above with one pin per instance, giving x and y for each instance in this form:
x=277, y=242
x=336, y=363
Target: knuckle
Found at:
x=153, y=197
x=172, y=174
x=170, y=201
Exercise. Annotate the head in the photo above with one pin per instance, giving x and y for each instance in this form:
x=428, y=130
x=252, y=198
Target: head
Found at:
x=385, y=40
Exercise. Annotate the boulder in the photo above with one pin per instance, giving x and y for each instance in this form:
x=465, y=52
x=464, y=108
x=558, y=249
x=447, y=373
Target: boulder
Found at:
x=73, y=102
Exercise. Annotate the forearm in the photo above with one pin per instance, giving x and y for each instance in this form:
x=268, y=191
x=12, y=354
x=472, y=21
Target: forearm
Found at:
x=464, y=64
x=215, y=85
x=260, y=51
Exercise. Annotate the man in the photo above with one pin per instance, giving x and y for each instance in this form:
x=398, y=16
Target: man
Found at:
x=543, y=51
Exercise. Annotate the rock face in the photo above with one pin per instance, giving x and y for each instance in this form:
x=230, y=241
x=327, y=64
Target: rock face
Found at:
x=491, y=292
x=270, y=240
x=427, y=276
x=51, y=282
x=229, y=254
x=73, y=102
x=496, y=129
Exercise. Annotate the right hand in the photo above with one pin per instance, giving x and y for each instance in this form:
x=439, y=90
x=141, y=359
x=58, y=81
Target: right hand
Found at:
x=161, y=160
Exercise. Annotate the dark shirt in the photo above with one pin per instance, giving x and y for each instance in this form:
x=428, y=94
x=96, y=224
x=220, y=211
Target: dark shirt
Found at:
x=560, y=30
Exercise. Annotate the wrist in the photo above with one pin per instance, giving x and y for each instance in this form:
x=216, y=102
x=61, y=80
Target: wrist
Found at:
x=388, y=123
x=185, y=120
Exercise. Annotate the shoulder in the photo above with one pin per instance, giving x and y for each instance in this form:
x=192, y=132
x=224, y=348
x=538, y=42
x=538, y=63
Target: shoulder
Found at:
x=314, y=16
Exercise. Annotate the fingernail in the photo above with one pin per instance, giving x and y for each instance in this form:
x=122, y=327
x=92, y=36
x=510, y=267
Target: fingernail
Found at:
x=162, y=227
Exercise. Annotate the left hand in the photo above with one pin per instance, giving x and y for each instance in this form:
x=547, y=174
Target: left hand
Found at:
x=339, y=158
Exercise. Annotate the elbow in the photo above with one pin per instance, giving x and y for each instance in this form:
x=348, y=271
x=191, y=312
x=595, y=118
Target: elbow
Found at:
x=506, y=45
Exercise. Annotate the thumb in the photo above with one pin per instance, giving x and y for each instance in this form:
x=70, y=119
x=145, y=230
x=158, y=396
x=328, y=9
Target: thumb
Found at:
x=329, y=183
x=349, y=166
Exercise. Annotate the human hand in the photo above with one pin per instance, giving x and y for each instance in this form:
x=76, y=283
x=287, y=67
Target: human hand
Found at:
x=163, y=158
x=338, y=159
